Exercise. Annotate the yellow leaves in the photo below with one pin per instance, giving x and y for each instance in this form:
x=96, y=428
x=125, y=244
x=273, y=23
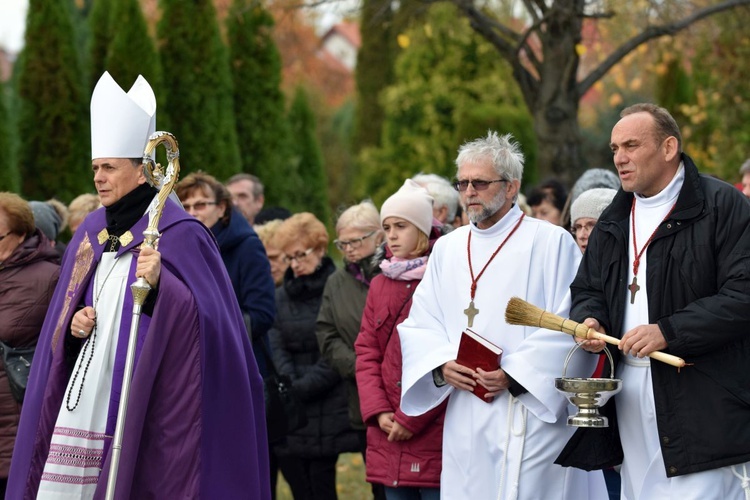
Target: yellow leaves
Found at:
x=661, y=68
x=636, y=84
x=615, y=100
x=580, y=49
x=698, y=118
x=403, y=40
x=695, y=113
x=428, y=30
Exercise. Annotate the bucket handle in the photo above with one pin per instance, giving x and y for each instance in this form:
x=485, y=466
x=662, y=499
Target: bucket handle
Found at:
x=577, y=346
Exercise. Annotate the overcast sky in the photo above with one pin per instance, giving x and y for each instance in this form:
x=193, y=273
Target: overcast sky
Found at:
x=12, y=21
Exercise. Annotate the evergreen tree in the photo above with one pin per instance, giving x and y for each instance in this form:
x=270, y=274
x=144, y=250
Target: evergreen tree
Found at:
x=449, y=88
x=9, y=178
x=54, y=136
x=258, y=101
x=312, y=193
x=335, y=132
x=199, y=107
x=101, y=35
x=131, y=51
x=374, y=70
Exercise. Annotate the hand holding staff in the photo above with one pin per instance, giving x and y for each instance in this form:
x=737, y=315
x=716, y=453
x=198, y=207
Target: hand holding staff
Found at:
x=520, y=312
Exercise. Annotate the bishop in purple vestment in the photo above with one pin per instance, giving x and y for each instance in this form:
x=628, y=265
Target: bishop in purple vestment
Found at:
x=195, y=424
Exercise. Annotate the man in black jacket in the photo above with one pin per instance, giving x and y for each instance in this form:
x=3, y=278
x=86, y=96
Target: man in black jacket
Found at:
x=668, y=268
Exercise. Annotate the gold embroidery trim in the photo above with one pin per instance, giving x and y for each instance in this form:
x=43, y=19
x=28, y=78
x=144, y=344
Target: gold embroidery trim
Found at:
x=125, y=239
x=83, y=261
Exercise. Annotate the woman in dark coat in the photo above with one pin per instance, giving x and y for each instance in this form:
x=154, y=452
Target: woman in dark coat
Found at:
x=308, y=457
x=359, y=236
x=28, y=276
x=208, y=200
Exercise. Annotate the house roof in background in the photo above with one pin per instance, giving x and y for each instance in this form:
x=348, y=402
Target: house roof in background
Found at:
x=348, y=30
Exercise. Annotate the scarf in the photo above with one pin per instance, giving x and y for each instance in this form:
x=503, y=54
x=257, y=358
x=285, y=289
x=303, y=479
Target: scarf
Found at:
x=364, y=270
x=404, y=269
x=126, y=211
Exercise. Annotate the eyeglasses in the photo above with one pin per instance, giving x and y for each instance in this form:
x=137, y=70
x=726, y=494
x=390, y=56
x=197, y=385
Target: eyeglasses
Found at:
x=198, y=206
x=579, y=228
x=299, y=257
x=5, y=235
x=478, y=185
x=353, y=244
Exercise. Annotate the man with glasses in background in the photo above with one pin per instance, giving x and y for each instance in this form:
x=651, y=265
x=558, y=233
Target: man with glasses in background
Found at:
x=502, y=446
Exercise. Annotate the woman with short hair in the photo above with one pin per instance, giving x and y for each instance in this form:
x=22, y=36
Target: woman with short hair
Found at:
x=209, y=201
x=308, y=457
x=28, y=276
x=359, y=235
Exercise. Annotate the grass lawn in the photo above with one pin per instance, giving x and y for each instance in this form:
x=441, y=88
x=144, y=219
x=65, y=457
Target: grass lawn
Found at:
x=350, y=480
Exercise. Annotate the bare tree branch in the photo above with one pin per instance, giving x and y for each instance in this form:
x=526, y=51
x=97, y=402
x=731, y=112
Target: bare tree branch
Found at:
x=523, y=42
x=532, y=10
x=652, y=33
x=542, y=6
x=489, y=29
x=509, y=45
x=600, y=15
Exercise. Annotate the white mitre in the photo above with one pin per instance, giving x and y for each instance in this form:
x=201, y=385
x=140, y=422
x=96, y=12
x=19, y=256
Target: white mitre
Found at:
x=121, y=123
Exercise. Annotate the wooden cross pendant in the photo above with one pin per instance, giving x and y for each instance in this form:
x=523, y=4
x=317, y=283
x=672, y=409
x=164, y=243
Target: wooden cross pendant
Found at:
x=633, y=287
x=470, y=312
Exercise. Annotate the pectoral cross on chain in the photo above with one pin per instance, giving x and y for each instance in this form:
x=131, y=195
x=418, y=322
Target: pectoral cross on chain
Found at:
x=633, y=287
x=470, y=312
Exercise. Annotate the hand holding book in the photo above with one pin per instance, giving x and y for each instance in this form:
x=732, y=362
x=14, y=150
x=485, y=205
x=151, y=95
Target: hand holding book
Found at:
x=474, y=351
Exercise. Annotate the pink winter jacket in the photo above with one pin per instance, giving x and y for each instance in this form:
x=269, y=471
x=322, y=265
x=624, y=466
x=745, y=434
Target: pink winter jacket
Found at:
x=416, y=462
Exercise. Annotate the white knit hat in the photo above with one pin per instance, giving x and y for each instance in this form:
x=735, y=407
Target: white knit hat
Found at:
x=411, y=202
x=121, y=123
x=591, y=203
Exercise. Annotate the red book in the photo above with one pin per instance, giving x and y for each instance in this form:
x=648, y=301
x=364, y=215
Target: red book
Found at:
x=475, y=351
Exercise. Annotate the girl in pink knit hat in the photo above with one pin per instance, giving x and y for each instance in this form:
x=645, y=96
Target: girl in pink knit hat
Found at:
x=403, y=453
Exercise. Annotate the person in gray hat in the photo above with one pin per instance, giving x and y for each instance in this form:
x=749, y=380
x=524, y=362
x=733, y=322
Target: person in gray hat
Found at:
x=50, y=221
x=590, y=179
x=586, y=210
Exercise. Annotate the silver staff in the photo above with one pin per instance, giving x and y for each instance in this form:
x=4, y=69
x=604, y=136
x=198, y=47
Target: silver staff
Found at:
x=141, y=288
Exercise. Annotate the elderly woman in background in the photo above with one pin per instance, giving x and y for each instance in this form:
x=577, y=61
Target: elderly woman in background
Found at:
x=208, y=200
x=585, y=212
x=28, y=275
x=266, y=233
x=308, y=457
x=359, y=235
x=80, y=207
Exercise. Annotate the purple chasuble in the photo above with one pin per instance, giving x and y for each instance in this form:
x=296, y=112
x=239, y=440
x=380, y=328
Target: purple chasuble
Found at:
x=195, y=425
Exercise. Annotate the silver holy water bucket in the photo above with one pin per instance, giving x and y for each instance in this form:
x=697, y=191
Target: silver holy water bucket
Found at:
x=588, y=394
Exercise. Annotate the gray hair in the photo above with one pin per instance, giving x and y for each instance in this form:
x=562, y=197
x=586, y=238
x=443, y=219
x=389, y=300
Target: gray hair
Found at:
x=363, y=216
x=257, y=185
x=503, y=151
x=745, y=168
x=441, y=191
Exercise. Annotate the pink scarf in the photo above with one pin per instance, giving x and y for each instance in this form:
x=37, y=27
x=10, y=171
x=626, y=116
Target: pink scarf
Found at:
x=404, y=269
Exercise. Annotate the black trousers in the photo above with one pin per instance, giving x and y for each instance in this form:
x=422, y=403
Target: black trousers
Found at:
x=310, y=478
